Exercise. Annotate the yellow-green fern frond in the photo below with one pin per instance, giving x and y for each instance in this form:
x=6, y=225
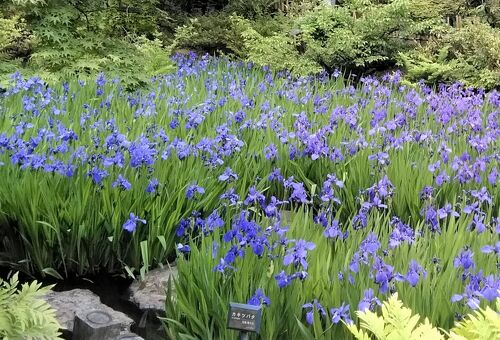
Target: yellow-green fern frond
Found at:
x=396, y=322
x=23, y=314
x=483, y=324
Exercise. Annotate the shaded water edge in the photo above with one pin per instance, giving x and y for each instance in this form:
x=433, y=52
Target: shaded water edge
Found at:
x=112, y=289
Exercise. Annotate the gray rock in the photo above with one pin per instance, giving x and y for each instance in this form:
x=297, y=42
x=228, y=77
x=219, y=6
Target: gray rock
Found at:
x=128, y=336
x=150, y=294
x=95, y=325
x=68, y=303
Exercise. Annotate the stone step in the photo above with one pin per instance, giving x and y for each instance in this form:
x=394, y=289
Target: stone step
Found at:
x=83, y=302
x=149, y=294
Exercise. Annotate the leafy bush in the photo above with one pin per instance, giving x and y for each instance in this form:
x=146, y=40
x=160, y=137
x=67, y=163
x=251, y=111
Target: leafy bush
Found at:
x=8, y=32
x=252, y=9
x=211, y=34
x=437, y=8
x=221, y=32
x=357, y=37
x=14, y=44
x=470, y=54
x=276, y=51
x=23, y=312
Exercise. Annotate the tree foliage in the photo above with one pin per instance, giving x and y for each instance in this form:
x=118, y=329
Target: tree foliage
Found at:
x=60, y=39
x=470, y=54
x=430, y=39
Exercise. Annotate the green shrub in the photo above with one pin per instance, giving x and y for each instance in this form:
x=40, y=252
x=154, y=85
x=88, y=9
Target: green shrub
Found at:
x=8, y=32
x=470, y=54
x=359, y=37
x=277, y=51
x=24, y=314
x=211, y=34
x=221, y=32
x=492, y=12
x=252, y=9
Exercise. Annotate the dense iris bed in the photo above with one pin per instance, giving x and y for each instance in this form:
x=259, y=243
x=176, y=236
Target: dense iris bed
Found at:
x=312, y=192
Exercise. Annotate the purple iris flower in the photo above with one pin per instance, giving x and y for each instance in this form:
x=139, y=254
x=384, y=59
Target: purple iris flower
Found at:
x=183, y=248
x=434, y=166
x=142, y=152
x=117, y=159
x=491, y=288
x=426, y=193
x=384, y=274
x=415, y=270
x=482, y=195
x=299, y=193
x=183, y=225
x=254, y=196
x=223, y=266
x=385, y=187
x=341, y=313
x=401, y=233
x=228, y=176
x=361, y=219
x=259, y=298
x=472, y=291
x=310, y=308
x=271, y=209
x=122, y=183
x=333, y=231
x=465, y=260
x=212, y=222
x=283, y=279
x=298, y=253
x=381, y=157
x=430, y=216
x=474, y=207
x=446, y=211
x=152, y=186
x=442, y=178
x=231, y=196
x=97, y=175
x=194, y=189
x=327, y=193
x=370, y=244
x=275, y=175
x=131, y=224
x=271, y=152
x=492, y=249
x=493, y=176
x=477, y=223
x=369, y=301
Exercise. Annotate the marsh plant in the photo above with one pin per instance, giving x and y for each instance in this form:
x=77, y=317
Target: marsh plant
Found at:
x=312, y=196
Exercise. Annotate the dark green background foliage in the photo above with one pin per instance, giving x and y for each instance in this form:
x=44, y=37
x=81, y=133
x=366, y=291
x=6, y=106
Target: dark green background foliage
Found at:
x=445, y=40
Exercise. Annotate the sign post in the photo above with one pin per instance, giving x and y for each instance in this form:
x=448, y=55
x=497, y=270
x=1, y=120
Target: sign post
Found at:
x=244, y=318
